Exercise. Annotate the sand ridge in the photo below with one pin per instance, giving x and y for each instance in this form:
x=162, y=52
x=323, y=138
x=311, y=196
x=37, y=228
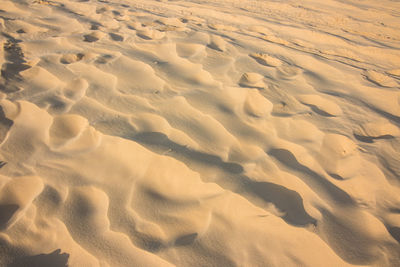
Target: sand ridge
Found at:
x=195, y=133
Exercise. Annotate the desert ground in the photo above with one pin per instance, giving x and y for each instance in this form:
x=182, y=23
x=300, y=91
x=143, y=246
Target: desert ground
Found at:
x=199, y=133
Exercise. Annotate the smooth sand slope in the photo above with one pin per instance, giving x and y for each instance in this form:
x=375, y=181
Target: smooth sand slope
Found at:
x=199, y=133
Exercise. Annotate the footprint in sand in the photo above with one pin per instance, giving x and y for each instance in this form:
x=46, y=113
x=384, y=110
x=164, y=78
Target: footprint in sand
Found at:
x=104, y=59
x=116, y=37
x=257, y=105
x=120, y=15
x=274, y=39
x=253, y=80
x=95, y=27
x=288, y=72
x=93, y=37
x=76, y=89
x=102, y=10
x=149, y=34
x=192, y=19
x=70, y=132
x=171, y=23
x=217, y=43
x=339, y=156
x=188, y=50
x=266, y=60
x=71, y=58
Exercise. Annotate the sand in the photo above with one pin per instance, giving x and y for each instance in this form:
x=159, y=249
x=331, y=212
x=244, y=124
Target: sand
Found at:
x=199, y=133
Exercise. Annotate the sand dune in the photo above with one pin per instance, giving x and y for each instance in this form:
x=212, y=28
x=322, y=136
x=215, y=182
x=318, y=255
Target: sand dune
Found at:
x=199, y=133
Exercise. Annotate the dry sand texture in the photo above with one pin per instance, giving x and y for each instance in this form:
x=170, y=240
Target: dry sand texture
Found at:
x=199, y=133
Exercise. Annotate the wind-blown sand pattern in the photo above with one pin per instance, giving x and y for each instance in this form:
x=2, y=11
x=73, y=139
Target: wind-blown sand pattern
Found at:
x=199, y=133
